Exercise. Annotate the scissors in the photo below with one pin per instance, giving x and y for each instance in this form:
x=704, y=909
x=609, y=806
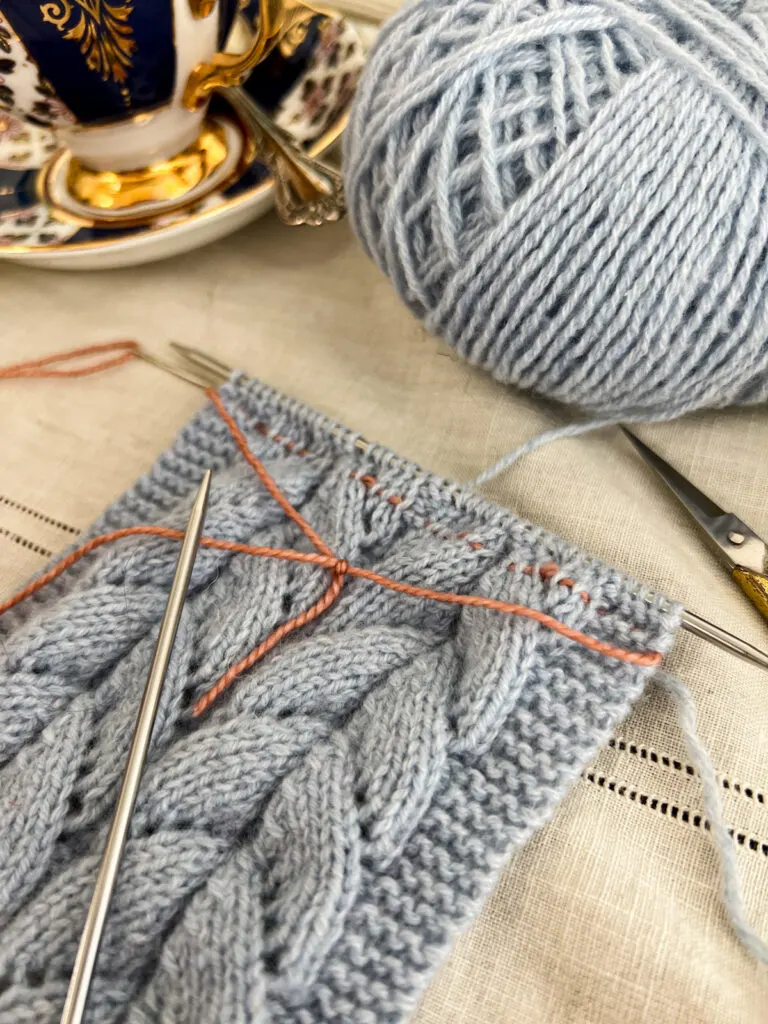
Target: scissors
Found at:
x=744, y=552
x=88, y=951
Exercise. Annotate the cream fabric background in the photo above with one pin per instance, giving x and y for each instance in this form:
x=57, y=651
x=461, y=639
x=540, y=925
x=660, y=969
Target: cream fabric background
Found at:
x=612, y=912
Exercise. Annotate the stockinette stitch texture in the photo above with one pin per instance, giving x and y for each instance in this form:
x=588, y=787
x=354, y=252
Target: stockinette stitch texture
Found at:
x=307, y=851
x=574, y=193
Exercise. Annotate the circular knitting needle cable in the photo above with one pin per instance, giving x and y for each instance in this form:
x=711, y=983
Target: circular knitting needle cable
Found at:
x=88, y=950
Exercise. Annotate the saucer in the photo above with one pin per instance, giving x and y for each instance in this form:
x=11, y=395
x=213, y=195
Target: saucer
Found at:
x=307, y=92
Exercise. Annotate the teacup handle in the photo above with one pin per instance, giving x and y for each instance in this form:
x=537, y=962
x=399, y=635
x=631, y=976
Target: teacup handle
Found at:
x=277, y=18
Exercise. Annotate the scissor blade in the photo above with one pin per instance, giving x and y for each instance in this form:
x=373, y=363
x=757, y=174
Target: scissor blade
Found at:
x=698, y=504
x=736, y=543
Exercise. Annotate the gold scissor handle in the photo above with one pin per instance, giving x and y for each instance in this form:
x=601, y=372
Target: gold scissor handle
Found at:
x=277, y=20
x=755, y=586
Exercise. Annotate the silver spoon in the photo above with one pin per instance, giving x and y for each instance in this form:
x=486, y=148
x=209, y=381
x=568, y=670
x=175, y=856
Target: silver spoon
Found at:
x=307, y=191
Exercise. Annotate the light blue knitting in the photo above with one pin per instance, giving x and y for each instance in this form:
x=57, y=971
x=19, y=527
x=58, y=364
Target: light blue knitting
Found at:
x=307, y=852
x=574, y=193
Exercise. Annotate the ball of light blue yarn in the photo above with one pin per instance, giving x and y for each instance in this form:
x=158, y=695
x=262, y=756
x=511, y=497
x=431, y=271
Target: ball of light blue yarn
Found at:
x=575, y=194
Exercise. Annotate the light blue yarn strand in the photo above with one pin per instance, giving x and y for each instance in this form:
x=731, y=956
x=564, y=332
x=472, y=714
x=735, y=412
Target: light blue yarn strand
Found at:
x=733, y=901
x=713, y=806
x=557, y=434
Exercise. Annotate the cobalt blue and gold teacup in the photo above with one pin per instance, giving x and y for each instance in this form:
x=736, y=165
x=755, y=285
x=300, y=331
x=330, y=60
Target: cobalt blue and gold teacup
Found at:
x=126, y=84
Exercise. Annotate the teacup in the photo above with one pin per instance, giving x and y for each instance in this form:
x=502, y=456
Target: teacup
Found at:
x=125, y=83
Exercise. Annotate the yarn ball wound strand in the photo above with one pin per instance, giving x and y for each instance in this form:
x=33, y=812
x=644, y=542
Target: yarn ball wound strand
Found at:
x=575, y=194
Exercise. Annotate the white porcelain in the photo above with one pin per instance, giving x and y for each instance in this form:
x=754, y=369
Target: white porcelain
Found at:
x=147, y=138
x=58, y=191
x=313, y=109
x=178, y=238
x=135, y=133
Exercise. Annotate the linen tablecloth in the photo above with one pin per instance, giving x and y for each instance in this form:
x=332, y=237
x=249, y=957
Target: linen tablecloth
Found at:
x=612, y=912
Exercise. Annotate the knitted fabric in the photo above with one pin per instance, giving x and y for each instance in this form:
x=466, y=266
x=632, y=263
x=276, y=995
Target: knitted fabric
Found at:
x=573, y=192
x=305, y=852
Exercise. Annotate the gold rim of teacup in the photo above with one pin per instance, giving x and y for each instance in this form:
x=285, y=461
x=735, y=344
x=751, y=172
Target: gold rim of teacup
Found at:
x=170, y=186
x=167, y=181
x=326, y=141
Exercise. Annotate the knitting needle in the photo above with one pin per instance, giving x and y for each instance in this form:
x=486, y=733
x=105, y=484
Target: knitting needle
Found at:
x=722, y=638
x=219, y=372
x=88, y=950
x=207, y=364
x=202, y=360
x=199, y=379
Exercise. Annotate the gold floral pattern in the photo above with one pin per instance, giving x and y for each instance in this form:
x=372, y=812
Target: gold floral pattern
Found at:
x=102, y=31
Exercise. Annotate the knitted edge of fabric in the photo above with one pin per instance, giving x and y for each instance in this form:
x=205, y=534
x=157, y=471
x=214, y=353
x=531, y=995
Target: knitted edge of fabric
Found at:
x=387, y=815
x=203, y=442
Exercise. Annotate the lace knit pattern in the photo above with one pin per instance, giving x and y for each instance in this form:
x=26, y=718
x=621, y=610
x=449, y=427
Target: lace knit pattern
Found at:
x=306, y=852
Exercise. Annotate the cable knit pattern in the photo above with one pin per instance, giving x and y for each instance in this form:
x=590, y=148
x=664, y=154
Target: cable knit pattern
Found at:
x=573, y=193
x=306, y=851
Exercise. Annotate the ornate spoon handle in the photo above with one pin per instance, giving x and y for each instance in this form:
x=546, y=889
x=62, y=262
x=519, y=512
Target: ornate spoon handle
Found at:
x=307, y=191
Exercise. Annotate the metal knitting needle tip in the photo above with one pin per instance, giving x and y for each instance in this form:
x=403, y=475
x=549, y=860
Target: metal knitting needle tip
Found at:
x=203, y=361
x=88, y=950
x=722, y=638
x=200, y=379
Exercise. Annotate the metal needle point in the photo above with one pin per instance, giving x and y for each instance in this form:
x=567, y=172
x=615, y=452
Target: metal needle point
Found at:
x=88, y=951
x=722, y=638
